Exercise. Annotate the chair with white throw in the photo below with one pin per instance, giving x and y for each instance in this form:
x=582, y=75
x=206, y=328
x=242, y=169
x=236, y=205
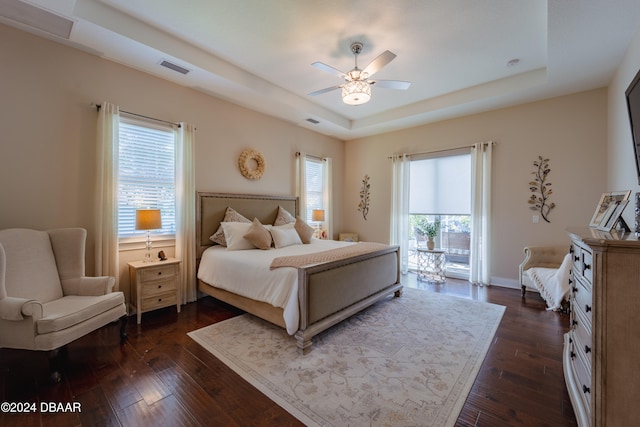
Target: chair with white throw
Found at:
x=546, y=269
x=46, y=301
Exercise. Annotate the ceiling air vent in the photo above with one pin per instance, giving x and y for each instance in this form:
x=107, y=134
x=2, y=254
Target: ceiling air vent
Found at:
x=174, y=67
x=314, y=121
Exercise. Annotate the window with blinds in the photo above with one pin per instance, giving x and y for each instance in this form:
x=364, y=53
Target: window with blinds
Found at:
x=315, y=181
x=146, y=175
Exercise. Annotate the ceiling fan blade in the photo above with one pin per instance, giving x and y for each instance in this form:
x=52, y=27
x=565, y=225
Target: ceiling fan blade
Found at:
x=325, y=90
x=329, y=69
x=376, y=65
x=391, y=84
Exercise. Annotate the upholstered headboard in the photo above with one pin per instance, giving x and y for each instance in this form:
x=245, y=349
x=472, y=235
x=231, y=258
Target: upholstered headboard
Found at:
x=211, y=207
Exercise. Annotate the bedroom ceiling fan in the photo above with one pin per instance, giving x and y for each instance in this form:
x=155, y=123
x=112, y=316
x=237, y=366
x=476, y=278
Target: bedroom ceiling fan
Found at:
x=356, y=89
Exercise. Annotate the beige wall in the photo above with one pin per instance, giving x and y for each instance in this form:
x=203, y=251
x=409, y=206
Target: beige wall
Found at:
x=571, y=131
x=47, y=154
x=621, y=167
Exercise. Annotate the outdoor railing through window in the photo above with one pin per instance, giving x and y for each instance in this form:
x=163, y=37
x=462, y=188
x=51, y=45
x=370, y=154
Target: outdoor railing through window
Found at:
x=453, y=236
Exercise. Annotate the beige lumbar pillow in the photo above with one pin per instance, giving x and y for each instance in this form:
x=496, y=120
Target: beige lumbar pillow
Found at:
x=258, y=235
x=305, y=231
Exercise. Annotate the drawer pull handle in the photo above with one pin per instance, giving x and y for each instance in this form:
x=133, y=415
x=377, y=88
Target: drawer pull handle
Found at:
x=159, y=273
x=587, y=308
x=159, y=286
x=587, y=266
x=576, y=258
x=585, y=389
x=574, y=289
x=159, y=299
x=574, y=322
x=573, y=355
x=587, y=349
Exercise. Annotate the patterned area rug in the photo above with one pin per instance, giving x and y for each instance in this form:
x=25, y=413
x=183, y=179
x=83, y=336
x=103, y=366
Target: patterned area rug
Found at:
x=403, y=362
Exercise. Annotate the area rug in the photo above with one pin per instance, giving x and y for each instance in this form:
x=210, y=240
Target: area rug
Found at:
x=404, y=361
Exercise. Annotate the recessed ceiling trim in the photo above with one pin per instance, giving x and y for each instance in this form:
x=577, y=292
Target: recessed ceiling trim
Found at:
x=34, y=17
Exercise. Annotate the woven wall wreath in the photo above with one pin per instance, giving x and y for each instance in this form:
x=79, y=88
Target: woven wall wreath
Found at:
x=246, y=160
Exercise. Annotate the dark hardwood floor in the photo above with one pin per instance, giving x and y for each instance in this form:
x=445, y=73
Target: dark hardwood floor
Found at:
x=161, y=377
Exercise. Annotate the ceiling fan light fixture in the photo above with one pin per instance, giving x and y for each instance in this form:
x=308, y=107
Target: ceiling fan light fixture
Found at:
x=356, y=92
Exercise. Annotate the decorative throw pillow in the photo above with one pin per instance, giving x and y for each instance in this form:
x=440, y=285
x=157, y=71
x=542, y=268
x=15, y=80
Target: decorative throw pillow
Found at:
x=258, y=235
x=230, y=215
x=283, y=217
x=234, y=235
x=285, y=236
x=305, y=231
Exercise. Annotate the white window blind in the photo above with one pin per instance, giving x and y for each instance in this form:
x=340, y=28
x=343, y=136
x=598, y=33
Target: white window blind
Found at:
x=146, y=177
x=440, y=185
x=315, y=181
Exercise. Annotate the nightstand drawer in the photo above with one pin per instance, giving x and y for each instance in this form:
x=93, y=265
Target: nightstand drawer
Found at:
x=156, y=273
x=158, y=301
x=159, y=287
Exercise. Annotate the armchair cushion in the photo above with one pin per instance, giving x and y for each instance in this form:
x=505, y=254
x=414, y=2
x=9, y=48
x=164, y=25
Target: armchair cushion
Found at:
x=68, y=311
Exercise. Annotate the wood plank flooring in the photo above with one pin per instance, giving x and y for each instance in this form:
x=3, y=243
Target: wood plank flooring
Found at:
x=161, y=377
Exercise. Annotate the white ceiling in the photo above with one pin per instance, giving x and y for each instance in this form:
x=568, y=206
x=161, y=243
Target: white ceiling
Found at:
x=258, y=53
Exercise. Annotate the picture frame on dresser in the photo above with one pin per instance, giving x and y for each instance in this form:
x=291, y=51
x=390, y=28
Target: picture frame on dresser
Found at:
x=609, y=204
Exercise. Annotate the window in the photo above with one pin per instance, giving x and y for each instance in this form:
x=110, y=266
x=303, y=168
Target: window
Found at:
x=315, y=185
x=146, y=177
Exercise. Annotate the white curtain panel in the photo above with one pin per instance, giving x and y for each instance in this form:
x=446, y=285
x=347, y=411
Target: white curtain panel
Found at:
x=106, y=202
x=327, y=195
x=480, y=259
x=186, y=210
x=301, y=183
x=399, y=232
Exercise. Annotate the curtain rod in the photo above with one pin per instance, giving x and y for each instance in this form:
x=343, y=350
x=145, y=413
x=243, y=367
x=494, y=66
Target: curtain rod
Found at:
x=444, y=150
x=98, y=106
x=312, y=156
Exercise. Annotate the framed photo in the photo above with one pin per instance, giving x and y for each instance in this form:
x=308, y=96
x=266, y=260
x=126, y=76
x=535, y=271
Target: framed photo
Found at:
x=609, y=221
x=609, y=209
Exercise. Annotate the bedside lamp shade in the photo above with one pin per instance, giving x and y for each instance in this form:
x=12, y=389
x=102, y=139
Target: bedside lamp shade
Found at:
x=317, y=215
x=148, y=219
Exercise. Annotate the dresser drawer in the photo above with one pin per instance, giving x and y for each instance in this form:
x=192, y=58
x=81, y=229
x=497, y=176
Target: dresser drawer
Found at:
x=587, y=266
x=583, y=374
x=582, y=337
x=159, y=301
x=156, y=273
x=158, y=287
x=582, y=299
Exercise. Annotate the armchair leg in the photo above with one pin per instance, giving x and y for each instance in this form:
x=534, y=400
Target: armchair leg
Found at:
x=123, y=328
x=524, y=290
x=55, y=363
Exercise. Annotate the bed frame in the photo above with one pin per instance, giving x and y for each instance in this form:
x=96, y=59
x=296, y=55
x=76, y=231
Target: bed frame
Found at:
x=327, y=293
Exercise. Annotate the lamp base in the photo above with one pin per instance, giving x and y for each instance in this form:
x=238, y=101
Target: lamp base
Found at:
x=147, y=255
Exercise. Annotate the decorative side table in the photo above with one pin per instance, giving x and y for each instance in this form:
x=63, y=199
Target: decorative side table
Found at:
x=431, y=265
x=154, y=285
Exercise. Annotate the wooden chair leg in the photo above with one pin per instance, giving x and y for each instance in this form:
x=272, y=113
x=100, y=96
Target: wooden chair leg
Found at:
x=123, y=328
x=55, y=364
x=524, y=290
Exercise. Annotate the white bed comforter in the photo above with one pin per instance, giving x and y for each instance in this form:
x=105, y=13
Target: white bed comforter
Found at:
x=247, y=273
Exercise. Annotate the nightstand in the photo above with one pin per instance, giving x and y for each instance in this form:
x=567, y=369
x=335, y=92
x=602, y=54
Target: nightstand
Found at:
x=154, y=285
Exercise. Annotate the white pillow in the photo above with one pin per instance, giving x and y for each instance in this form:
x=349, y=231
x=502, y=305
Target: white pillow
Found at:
x=285, y=236
x=234, y=235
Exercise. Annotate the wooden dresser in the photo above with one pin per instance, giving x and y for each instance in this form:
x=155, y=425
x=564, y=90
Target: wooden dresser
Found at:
x=602, y=348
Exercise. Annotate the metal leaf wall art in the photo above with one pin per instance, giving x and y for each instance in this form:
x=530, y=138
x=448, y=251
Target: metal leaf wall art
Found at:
x=541, y=189
x=363, y=206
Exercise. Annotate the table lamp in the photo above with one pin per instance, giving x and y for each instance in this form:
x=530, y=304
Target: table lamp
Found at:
x=148, y=219
x=317, y=215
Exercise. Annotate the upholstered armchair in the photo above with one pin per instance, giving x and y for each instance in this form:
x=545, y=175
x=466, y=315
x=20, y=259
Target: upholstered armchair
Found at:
x=46, y=301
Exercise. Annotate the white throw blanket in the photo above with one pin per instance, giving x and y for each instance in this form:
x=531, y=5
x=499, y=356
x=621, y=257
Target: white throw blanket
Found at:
x=552, y=283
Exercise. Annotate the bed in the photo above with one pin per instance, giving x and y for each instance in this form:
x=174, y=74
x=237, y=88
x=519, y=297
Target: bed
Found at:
x=327, y=293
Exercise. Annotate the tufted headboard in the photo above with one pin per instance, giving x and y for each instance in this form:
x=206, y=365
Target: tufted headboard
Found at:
x=211, y=207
